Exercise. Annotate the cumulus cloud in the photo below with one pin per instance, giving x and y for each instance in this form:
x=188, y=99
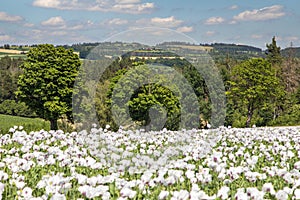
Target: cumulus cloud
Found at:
x=214, y=20
x=168, y=22
x=122, y=6
x=54, y=21
x=117, y=21
x=9, y=18
x=59, y=23
x=266, y=13
x=185, y=29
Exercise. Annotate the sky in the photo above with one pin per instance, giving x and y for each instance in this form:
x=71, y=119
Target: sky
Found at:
x=77, y=21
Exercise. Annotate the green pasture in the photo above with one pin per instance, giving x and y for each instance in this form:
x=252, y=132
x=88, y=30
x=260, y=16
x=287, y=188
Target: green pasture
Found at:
x=29, y=124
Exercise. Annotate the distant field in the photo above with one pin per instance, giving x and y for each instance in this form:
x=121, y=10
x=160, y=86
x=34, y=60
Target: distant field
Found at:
x=11, y=53
x=29, y=124
x=194, y=47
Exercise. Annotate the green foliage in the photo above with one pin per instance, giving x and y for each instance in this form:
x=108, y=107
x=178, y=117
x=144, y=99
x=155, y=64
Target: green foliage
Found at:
x=162, y=100
x=9, y=72
x=253, y=85
x=273, y=52
x=290, y=117
x=11, y=107
x=155, y=98
x=196, y=81
x=46, y=84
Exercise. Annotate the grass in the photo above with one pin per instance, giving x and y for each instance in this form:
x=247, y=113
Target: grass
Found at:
x=29, y=124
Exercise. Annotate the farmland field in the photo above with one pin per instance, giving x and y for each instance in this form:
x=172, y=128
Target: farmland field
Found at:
x=257, y=163
x=11, y=53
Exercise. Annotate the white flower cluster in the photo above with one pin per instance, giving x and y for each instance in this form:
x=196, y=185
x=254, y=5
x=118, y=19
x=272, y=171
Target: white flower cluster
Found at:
x=257, y=163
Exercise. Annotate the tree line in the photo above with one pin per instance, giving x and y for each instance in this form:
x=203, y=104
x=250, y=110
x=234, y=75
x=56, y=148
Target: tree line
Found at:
x=261, y=91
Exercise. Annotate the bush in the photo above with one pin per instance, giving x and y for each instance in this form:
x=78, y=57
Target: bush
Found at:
x=11, y=107
x=290, y=118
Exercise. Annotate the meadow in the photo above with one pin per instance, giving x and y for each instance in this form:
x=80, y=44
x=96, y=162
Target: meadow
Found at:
x=29, y=124
x=223, y=163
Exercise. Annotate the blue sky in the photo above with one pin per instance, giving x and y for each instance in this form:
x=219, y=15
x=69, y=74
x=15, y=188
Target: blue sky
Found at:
x=77, y=21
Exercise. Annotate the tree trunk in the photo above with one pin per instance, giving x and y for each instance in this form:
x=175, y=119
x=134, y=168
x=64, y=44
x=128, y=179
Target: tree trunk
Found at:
x=249, y=116
x=53, y=124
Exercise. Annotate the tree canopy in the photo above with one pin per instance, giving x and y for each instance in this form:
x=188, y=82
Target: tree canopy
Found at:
x=273, y=52
x=254, y=84
x=46, y=84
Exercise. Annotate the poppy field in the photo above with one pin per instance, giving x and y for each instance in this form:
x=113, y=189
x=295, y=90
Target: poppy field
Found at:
x=223, y=163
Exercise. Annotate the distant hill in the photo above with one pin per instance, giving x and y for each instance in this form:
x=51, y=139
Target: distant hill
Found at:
x=98, y=50
x=218, y=51
x=292, y=51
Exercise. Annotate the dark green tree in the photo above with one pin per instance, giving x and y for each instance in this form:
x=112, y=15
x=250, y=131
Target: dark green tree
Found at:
x=273, y=53
x=147, y=99
x=46, y=84
x=6, y=46
x=254, y=85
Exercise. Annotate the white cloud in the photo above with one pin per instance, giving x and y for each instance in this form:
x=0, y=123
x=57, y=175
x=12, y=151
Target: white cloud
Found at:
x=127, y=1
x=47, y=3
x=132, y=8
x=28, y=25
x=168, y=22
x=58, y=33
x=117, y=21
x=256, y=36
x=267, y=13
x=210, y=33
x=5, y=38
x=9, y=18
x=58, y=22
x=54, y=21
x=122, y=6
x=292, y=38
x=233, y=7
x=214, y=20
x=232, y=22
x=185, y=29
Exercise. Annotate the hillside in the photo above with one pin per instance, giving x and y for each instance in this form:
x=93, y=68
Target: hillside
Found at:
x=291, y=51
x=216, y=50
x=115, y=49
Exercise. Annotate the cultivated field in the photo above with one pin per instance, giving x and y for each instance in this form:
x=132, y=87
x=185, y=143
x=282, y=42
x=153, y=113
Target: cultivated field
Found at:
x=257, y=163
x=12, y=53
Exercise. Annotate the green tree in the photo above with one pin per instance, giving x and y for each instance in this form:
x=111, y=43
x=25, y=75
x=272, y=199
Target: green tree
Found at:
x=46, y=84
x=273, y=53
x=147, y=99
x=254, y=85
x=6, y=46
x=161, y=100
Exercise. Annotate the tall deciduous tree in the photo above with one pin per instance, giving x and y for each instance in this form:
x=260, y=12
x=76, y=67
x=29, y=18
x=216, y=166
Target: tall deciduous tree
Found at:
x=46, y=84
x=254, y=85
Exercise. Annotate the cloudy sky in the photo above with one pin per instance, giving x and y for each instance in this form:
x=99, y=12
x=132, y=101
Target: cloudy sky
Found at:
x=76, y=21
